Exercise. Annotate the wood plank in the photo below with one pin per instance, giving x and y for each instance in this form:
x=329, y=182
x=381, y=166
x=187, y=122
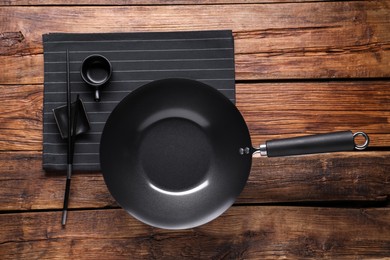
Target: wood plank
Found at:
x=24, y=69
x=28, y=187
x=271, y=110
x=324, y=177
x=348, y=95
x=21, y=117
x=143, y=2
x=277, y=110
x=317, y=65
x=240, y=233
x=360, y=176
x=343, y=40
x=269, y=125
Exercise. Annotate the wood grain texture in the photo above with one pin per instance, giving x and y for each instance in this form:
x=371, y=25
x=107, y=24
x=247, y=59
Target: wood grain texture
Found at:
x=360, y=176
x=299, y=40
x=144, y=2
x=21, y=117
x=271, y=110
x=240, y=233
x=285, y=52
x=275, y=110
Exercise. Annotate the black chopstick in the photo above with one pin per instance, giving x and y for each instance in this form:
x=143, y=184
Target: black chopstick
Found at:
x=69, y=150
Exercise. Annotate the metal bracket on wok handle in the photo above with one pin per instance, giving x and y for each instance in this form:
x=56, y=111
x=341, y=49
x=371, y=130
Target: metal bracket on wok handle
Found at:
x=320, y=143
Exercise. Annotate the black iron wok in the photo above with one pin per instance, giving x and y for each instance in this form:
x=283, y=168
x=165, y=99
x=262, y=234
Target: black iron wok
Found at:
x=176, y=153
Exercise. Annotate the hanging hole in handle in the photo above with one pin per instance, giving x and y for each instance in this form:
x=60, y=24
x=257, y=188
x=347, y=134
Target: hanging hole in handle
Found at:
x=366, y=140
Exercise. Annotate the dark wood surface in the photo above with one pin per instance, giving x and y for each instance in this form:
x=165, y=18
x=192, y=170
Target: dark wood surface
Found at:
x=302, y=67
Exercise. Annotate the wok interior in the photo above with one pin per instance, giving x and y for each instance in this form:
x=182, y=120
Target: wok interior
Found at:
x=170, y=153
x=184, y=148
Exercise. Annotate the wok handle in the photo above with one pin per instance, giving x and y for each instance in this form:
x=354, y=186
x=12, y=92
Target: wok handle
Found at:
x=321, y=143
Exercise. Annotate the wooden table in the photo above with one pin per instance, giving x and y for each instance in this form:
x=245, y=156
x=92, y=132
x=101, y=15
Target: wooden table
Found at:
x=302, y=67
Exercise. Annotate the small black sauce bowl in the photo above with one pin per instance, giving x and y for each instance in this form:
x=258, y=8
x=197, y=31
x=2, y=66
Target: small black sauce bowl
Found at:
x=96, y=70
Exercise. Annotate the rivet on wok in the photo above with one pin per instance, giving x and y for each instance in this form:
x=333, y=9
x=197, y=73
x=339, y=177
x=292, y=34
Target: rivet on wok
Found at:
x=241, y=151
x=247, y=150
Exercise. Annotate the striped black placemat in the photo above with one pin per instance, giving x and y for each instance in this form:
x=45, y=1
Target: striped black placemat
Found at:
x=137, y=58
